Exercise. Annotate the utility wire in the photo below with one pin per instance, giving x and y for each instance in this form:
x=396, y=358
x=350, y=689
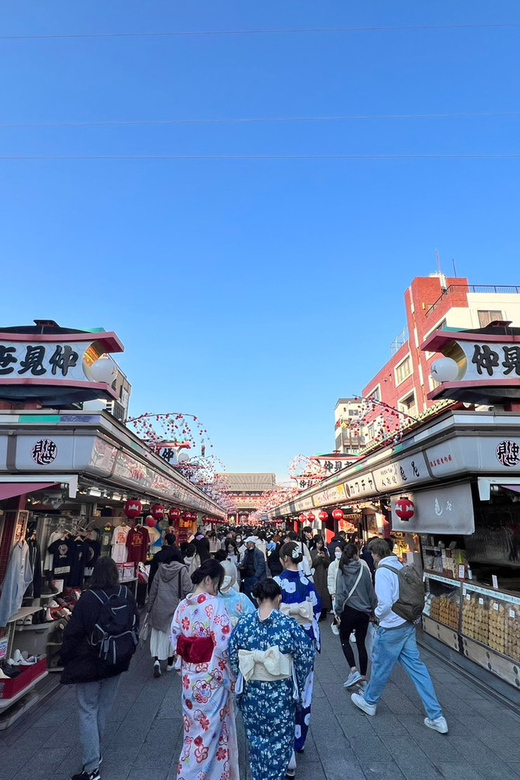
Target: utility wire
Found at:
x=256, y=120
x=476, y=156
x=279, y=31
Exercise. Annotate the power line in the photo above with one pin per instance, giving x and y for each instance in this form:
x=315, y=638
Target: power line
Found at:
x=275, y=31
x=257, y=120
x=140, y=157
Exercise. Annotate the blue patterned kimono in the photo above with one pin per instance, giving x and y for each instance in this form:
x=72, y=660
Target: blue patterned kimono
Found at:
x=296, y=587
x=269, y=708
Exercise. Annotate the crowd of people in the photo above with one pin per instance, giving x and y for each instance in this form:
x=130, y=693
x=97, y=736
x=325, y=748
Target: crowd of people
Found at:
x=238, y=615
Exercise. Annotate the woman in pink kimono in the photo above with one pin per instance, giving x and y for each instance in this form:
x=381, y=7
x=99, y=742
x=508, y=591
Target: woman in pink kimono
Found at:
x=201, y=630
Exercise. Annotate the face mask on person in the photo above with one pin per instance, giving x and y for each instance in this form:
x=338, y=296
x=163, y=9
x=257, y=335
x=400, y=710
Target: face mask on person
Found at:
x=338, y=554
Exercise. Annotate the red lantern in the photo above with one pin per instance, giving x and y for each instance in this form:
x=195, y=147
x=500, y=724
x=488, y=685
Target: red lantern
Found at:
x=133, y=509
x=174, y=514
x=151, y=522
x=302, y=518
x=404, y=509
x=338, y=514
x=311, y=518
x=323, y=516
x=158, y=512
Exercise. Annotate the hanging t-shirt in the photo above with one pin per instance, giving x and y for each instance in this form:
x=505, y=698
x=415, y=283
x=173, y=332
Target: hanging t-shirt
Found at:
x=63, y=556
x=137, y=544
x=75, y=578
x=119, y=550
x=91, y=551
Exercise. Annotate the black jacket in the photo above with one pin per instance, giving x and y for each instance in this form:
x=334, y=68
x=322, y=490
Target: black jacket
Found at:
x=81, y=662
x=167, y=554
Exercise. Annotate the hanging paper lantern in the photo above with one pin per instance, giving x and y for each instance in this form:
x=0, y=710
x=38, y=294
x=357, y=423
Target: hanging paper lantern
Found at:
x=302, y=518
x=338, y=514
x=323, y=516
x=158, y=512
x=174, y=514
x=133, y=508
x=404, y=509
x=151, y=522
x=311, y=518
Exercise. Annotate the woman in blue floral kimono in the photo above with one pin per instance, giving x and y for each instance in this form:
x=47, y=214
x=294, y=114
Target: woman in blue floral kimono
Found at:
x=300, y=601
x=272, y=657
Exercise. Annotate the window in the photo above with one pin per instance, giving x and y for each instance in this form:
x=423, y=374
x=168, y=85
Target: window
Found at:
x=407, y=404
x=353, y=413
x=375, y=394
x=403, y=370
x=486, y=316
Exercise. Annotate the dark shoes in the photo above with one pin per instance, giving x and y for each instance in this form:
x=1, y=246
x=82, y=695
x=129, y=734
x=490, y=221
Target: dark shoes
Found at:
x=87, y=775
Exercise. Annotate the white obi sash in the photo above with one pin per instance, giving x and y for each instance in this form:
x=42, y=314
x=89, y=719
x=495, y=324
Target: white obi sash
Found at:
x=301, y=611
x=266, y=666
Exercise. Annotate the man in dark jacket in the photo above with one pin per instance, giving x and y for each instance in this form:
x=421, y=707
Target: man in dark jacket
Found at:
x=96, y=680
x=252, y=567
x=169, y=552
x=339, y=540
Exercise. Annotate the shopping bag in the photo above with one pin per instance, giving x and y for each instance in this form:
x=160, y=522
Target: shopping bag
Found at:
x=145, y=630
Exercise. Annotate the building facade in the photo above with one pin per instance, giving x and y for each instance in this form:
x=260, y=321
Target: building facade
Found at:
x=246, y=492
x=349, y=438
x=432, y=303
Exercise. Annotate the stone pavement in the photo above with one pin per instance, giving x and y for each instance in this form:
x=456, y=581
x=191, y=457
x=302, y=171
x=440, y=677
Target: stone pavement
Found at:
x=344, y=744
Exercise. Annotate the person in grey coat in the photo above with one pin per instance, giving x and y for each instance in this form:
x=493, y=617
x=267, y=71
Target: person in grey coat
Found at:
x=171, y=585
x=354, y=604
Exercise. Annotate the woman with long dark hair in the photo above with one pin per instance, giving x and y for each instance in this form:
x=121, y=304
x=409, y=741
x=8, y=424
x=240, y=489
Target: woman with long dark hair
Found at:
x=355, y=602
x=320, y=563
x=272, y=657
x=201, y=630
x=96, y=677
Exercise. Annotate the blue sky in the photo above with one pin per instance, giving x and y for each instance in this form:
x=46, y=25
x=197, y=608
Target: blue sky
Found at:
x=253, y=293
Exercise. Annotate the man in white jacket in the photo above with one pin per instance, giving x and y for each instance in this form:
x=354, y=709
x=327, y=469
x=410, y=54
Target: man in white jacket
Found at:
x=395, y=641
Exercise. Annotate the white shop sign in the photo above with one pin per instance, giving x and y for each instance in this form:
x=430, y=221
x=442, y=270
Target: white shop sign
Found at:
x=442, y=510
x=401, y=473
x=47, y=360
x=492, y=360
x=303, y=504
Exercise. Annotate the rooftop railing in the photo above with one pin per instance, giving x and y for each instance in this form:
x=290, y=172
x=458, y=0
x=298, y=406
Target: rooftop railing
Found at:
x=473, y=288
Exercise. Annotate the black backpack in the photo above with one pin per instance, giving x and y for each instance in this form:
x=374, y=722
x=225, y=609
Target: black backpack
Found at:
x=114, y=636
x=410, y=603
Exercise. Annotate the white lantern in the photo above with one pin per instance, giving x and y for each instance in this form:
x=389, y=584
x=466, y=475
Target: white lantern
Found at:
x=445, y=370
x=103, y=370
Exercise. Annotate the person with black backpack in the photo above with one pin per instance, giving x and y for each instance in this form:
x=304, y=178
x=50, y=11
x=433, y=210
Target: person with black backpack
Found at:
x=98, y=644
x=400, y=601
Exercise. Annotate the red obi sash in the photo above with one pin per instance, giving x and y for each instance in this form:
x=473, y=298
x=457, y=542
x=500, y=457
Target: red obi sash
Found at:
x=195, y=649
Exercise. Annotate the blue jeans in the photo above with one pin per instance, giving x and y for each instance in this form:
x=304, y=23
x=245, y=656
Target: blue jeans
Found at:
x=400, y=644
x=95, y=701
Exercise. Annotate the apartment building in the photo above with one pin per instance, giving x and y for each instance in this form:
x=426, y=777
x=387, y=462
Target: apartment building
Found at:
x=349, y=438
x=432, y=303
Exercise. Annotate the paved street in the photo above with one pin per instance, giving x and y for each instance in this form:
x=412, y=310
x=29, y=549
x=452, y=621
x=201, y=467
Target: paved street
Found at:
x=344, y=745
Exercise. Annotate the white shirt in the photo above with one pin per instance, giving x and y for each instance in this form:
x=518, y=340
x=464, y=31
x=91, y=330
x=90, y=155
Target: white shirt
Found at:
x=119, y=550
x=387, y=592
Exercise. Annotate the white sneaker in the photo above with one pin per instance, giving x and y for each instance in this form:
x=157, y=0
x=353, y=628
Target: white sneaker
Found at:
x=157, y=669
x=352, y=638
x=359, y=701
x=352, y=679
x=170, y=668
x=437, y=724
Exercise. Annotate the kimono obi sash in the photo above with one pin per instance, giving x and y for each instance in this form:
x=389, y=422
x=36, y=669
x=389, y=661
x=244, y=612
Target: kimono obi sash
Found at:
x=265, y=665
x=302, y=612
x=195, y=649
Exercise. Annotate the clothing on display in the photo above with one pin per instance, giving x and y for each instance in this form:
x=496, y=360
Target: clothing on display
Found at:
x=18, y=577
x=137, y=544
x=34, y=591
x=62, y=557
x=91, y=552
x=119, y=548
x=77, y=567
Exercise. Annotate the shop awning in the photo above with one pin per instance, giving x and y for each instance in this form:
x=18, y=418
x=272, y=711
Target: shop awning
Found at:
x=12, y=489
x=514, y=488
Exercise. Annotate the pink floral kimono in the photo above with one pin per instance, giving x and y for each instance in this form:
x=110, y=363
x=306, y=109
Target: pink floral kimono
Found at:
x=201, y=629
